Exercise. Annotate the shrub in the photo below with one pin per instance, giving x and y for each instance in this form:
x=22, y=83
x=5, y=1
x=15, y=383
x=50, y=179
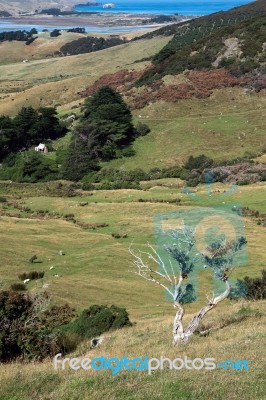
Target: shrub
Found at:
x=27, y=333
x=125, y=152
x=97, y=320
x=87, y=186
x=250, y=288
x=17, y=287
x=199, y=162
x=70, y=341
x=119, y=236
x=142, y=129
x=31, y=275
x=118, y=185
x=69, y=217
x=88, y=44
x=55, y=33
x=3, y=199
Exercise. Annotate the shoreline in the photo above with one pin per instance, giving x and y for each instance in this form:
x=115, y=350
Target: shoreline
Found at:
x=102, y=21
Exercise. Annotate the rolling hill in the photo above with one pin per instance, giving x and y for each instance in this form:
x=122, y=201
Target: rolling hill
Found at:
x=188, y=84
x=198, y=43
x=16, y=7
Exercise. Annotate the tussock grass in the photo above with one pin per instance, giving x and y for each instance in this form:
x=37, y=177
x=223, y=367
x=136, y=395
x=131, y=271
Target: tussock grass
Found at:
x=243, y=340
x=95, y=270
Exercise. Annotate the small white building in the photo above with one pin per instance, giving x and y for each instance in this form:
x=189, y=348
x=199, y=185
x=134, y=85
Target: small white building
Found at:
x=41, y=148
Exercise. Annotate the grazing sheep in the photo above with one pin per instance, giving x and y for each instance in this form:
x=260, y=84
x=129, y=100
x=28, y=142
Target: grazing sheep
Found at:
x=26, y=281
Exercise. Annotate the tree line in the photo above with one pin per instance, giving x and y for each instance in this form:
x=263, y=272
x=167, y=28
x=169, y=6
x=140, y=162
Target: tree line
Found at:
x=88, y=45
x=21, y=36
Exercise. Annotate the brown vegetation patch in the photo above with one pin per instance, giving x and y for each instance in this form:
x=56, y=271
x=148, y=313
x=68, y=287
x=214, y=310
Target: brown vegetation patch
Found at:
x=208, y=80
x=120, y=80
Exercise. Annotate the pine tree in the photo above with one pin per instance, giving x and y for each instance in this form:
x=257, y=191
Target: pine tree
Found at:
x=78, y=161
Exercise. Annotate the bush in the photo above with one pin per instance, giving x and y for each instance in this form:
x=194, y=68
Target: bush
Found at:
x=70, y=341
x=17, y=287
x=31, y=167
x=31, y=275
x=97, y=320
x=119, y=236
x=125, y=152
x=87, y=186
x=3, y=199
x=199, y=162
x=27, y=333
x=118, y=185
x=142, y=129
x=88, y=44
x=55, y=33
x=61, y=155
x=250, y=288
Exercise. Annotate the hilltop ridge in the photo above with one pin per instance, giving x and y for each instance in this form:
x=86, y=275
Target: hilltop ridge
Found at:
x=16, y=7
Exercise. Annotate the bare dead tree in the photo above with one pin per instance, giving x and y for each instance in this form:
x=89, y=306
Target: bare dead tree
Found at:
x=181, y=262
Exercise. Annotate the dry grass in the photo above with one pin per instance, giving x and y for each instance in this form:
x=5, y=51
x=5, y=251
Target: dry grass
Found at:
x=99, y=265
x=95, y=269
x=57, y=81
x=43, y=47
x=152, y=337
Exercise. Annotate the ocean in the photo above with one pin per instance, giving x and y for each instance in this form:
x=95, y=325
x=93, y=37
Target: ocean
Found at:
x=188, y=7
x=166, y=7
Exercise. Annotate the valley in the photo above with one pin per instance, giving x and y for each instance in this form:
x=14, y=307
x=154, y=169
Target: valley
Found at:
x=184, y=132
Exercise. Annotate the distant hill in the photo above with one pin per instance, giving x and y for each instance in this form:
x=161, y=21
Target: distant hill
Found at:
x=206, y=42
x=250, y=10
x=15, y=7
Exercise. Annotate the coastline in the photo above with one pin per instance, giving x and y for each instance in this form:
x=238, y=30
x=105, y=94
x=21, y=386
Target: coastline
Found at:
x=96, y=22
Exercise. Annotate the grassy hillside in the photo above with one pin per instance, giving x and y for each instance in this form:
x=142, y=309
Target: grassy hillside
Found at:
x=96, y=263
x=227, y=125
x=213, y=21
x=57, y=81
x=43, y=47
x=96, y=269
x=205, y=46
x=242, y=340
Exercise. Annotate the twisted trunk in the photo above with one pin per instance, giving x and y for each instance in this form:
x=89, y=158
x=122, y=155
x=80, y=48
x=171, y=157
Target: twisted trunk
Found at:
x=182, y=336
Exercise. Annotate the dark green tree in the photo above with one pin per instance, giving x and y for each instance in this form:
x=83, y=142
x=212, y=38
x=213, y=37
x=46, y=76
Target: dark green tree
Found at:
x=78, y=161
x=6, y=134
x=34, y=167
x=105, y=129
x=24, y=131
x=109, y=111
x=47, y=125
